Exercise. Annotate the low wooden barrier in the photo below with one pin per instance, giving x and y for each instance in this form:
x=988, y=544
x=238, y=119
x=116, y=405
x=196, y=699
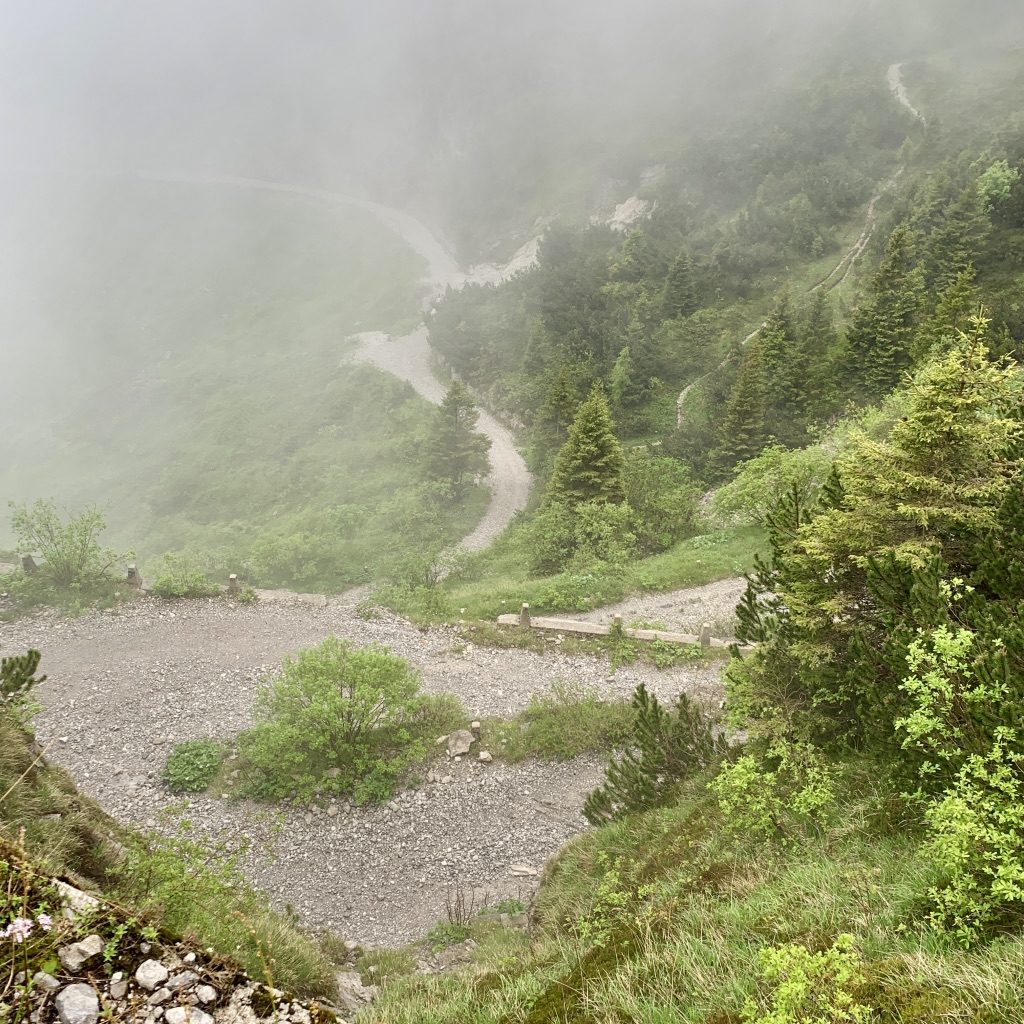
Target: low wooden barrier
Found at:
x=552, y=625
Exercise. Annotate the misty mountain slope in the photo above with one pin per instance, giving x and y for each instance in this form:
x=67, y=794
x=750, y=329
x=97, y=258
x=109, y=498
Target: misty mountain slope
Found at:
x=193, y=369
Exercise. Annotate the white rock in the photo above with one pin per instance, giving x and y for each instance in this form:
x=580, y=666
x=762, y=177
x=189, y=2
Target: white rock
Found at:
x=459, y=742
x=485, y=756
x=74, y=957
x=78, y=1004
x=44, y=981
x=523, y=871
x=187, y=1015
x=151, y=974
x=206, y=994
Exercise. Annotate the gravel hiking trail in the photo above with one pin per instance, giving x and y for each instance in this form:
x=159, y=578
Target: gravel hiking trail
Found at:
x=124, y=686
x=408, y=357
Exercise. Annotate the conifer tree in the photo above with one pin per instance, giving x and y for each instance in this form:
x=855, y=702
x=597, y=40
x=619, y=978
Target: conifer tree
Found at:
x=668, y=747
x=623, y=387
x=818, y=344
x=18, y=676
x=679, y=297
x=882, y=331
x=743, y=432
x=589, y=466
x=454, y=451
x=785, y=373
x=956, y=305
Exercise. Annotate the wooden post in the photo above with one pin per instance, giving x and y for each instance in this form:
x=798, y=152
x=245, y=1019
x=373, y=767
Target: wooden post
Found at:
x=28, y=563
x=134, y=579
x=524, y=615
x=233, y=584
x=705, y=635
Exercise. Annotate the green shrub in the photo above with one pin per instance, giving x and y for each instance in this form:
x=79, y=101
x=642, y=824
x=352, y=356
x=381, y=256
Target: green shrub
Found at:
x=559, y=725
x=789, y=785
x=71, y=551
x=192, y=765
x=339, y=719
x=667, y=748
x=801, y=987
x=181, y=577
x=447, y=933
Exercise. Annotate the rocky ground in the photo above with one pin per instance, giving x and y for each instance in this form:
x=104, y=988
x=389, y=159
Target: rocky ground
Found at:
x=126, y=685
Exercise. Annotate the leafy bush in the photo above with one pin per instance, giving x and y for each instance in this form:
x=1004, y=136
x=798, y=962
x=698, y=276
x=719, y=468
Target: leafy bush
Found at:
x=560, y=725
x=588, y=534
x=339, y=719
x=976, y=839
x=668, y=747
x=801, y=987
x=662, y=494
x=768, y=793
x=181, y=577
x=192, y=765
x=71, y=552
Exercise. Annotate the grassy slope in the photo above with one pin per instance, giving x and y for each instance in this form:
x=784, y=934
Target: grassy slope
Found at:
x=205, y=406
x=660, y=919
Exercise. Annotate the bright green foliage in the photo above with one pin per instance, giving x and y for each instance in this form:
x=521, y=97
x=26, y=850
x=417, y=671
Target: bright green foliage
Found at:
x=976, y=839
x=71, y=551
x=180, y=576
x=589, y=466
x=454, y=451
x=679, y=296
x=996, y=184
x=785, y=787
x=191, y=765
x=743, y=431
x=668, y=747
x=18, y=677
x=338, y=719
x=804, y=987
x=882, y=332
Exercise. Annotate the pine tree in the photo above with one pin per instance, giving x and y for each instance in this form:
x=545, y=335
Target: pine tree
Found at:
x=953, y=312
x=454, y=451
x=882, y=331
x=954, y=245
x=669, y=746
x=818, y=344
x=785, y=372
x=18, y=676
x=679, y=297
x=589, y=466
x=637, y=259
x=743, y=431
x=623, y=387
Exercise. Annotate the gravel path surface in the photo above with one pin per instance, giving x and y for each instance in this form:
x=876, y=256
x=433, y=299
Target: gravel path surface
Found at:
x=681, y=611
x=125, y=686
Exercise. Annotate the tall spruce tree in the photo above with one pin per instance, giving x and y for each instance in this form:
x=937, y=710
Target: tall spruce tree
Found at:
x=785, y=372
x=454, y=451
x=589, y=466
x=882, y=332
x=743, y=431
x=679, y=296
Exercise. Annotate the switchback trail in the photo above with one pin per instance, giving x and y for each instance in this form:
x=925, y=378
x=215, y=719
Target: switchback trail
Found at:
x=408, y=357
x=841, y=271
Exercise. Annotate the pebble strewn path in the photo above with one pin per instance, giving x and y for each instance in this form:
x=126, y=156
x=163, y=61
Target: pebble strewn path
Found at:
x=125, y=686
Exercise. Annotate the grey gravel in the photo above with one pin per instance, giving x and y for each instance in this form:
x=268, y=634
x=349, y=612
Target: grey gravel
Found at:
x=151, y=974
x=124, y=686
